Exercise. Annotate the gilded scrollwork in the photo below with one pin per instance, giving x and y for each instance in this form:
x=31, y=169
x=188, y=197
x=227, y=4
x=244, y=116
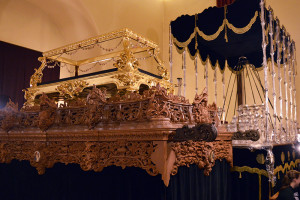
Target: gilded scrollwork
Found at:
x=38, y=74
x=29, y=95
x=36, y=77
x=129, y=80
x=127, y=61
x=128, y=66
x=71, y=89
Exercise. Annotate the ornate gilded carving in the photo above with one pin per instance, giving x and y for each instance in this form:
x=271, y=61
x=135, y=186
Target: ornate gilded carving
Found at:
x=127, y=61
x=36, y=77
x=129, y=79
x=29, y=96
x=246, y=135
x=164, y=83
x=128, y=65
x=203, y=154
x=38, y=74
x=90, y=155
x=199, y=132
x=71, y=89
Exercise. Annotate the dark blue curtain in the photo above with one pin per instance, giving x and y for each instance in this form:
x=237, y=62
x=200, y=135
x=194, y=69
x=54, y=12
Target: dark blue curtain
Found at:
x=190, y=183
x=18, y=180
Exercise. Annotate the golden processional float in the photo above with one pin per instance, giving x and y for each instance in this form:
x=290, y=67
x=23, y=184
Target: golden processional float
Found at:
x=113, y=105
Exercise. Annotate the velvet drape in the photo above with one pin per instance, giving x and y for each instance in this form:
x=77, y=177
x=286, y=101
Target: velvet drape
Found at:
x=18, y=180
x=190, y=183
x=16, y=67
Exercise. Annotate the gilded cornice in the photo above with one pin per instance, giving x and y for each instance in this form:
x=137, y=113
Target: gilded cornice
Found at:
x=125, y=32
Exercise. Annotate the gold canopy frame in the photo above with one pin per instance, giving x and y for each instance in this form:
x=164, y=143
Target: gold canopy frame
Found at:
x=126, y=73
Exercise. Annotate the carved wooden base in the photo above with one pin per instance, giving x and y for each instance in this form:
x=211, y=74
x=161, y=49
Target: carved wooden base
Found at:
x=89, y=155
x=133, y=130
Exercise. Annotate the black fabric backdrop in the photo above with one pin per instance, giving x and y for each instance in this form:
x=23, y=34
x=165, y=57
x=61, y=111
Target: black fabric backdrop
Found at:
x=18, y=180
x=247, y=186
x=191, y=184
x=16, y=67
x=286, y=150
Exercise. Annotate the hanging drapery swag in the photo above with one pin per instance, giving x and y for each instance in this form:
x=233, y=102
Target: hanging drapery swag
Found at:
x=222, y=34
x=222, y=3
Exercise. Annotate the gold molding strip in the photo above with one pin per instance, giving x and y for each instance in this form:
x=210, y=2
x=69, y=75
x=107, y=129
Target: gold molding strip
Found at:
x=101, y=38
x=97, y=58
x=110, y=55
x=250, y=170
x=63, y=60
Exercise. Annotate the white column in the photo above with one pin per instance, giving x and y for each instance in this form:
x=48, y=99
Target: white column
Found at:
x=274, y=138
x=206, y=75
x=290, y=91
x=285, y=85
x=264, y=45
x=281, y=133
x=294, y=86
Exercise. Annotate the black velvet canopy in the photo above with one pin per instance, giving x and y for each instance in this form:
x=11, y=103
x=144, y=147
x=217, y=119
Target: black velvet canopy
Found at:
x=227, y=33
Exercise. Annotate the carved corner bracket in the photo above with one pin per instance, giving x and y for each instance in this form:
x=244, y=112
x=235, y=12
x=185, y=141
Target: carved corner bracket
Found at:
x=203, y=154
